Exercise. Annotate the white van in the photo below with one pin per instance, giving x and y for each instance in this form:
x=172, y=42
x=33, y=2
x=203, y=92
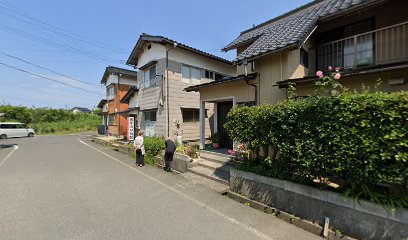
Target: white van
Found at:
x=15, y=129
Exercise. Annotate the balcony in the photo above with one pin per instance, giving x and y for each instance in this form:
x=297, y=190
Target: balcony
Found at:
x=387, y=45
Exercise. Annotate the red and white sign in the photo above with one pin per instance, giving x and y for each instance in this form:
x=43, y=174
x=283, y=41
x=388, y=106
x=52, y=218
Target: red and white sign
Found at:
x=131, y=128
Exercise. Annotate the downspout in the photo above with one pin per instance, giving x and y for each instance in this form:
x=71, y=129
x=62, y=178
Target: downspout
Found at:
x=167, y=88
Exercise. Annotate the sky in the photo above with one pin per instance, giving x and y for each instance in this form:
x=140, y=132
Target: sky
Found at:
x=47, y=45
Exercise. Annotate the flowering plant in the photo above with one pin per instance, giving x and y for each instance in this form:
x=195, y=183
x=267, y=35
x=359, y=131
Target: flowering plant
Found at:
x=329, y=83
x=241, y=152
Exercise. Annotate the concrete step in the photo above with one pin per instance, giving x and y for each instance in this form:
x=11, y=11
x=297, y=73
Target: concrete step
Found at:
x=214, y=156
x=213, y=165
x=218, y=175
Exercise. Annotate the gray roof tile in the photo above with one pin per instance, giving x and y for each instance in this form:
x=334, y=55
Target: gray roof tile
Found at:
x=289, y=29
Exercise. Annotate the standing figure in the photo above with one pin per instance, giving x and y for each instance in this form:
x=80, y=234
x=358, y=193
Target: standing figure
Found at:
x=168, y=155
x=140, y=149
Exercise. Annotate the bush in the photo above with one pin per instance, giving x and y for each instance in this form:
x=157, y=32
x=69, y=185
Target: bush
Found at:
x=153, y=146
x=359, y=138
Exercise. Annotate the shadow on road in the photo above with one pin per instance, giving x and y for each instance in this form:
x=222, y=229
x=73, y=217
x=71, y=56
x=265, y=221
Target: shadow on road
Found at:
x=7, y=145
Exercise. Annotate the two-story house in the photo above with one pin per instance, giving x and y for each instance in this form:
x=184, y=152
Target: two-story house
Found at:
x=165, y=69
x=368, y=39
x=118, y=82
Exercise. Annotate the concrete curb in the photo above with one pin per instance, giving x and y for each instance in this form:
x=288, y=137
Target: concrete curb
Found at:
x=292, y=219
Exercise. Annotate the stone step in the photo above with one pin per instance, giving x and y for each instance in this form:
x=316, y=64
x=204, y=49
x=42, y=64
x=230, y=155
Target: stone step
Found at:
x=218, y=175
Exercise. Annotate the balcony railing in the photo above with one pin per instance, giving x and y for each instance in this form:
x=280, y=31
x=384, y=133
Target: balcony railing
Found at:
x=381, y=46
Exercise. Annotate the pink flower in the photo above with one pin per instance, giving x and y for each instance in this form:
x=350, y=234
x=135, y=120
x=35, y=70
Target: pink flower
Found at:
x=337, y=76
x=231, y=152
x=319, y=74
x=330, y=68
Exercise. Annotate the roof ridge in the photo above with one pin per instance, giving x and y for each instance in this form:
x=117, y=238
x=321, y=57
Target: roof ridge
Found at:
x=291, y=12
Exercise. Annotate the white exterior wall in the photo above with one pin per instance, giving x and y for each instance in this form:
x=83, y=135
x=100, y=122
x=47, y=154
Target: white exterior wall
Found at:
x=156, y=52
x=113, y=79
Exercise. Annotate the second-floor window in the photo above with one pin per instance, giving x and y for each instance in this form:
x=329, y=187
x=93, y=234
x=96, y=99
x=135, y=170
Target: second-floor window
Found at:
x=191, y=74
x=111, y=92
x=149, y=78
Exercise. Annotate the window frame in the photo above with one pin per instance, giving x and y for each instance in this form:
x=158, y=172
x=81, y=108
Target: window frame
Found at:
x=149, y=113
x=149, y=79
x=190, y=79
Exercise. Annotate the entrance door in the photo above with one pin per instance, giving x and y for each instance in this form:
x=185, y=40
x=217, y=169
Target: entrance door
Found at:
x=222, y=110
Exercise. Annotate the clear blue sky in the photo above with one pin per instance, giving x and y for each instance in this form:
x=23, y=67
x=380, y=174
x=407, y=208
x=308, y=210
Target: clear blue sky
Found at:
x=115, y=25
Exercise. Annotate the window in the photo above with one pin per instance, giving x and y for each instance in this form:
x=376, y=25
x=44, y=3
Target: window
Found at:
x=219, y=77
x=191, y=115
x=149, y=78
x=253, y=66
x=304, y=58
x=209, y=74
x=111, y=119
x=150, y=116
x=111, y=92
x=191, y=74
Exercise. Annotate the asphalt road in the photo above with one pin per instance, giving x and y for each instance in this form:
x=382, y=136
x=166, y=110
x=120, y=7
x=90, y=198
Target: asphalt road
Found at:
x=62, y=187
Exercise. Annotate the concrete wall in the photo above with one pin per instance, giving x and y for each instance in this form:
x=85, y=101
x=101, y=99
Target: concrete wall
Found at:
x=362, y=219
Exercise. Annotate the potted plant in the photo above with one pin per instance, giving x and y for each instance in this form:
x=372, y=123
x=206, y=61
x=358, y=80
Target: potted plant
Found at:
x=216, y=139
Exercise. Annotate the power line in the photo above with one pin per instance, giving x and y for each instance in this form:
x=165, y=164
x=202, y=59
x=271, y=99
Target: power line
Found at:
x=45, y=41
x=48, y=78
x=56, y=30
x=47, y=69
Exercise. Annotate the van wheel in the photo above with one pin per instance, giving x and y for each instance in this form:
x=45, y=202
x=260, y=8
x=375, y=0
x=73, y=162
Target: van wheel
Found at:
x=3, y=136
x=31, y=135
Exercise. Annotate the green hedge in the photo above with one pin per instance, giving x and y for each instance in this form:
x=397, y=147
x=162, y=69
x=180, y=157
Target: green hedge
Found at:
x=153, y=147
x=361, y=139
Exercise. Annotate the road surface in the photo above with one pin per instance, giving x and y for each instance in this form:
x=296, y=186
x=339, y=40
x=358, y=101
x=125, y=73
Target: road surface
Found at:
x=67, y=187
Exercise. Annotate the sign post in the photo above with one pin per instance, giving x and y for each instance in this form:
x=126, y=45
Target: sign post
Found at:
x=131, y=128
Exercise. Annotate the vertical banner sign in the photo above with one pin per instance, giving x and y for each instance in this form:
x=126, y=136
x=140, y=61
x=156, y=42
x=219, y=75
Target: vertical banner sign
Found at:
x=131, y=128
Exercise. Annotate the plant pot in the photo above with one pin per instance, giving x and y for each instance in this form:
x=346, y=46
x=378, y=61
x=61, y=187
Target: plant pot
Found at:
x=216, y=145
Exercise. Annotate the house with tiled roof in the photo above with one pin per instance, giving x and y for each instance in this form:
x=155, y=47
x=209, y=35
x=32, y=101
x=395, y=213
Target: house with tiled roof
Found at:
x=165, y=68
x=367, y=39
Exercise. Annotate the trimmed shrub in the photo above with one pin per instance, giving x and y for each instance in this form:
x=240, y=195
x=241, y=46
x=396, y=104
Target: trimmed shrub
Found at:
x=360, y=138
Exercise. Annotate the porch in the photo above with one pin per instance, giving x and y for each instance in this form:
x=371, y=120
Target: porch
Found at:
x=222, y=106
x=383, y=46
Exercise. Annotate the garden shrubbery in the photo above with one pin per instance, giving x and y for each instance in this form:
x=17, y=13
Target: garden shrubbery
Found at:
x=357, y=139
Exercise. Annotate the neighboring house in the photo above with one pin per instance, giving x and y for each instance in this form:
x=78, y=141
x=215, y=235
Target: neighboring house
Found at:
x=103, y=105
x=368, y=39
x=160, y=90
x=76, y=110
x=132, y=111
x=117, y=82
